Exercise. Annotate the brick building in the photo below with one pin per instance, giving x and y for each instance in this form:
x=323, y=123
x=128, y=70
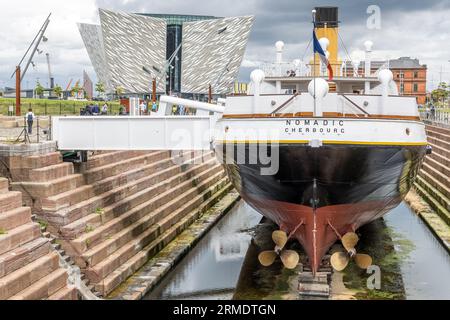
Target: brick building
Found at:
x=411, y=77
x=409, y=74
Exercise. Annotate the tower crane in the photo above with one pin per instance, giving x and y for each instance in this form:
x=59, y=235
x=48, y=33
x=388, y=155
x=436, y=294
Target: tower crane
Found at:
x=50, y=76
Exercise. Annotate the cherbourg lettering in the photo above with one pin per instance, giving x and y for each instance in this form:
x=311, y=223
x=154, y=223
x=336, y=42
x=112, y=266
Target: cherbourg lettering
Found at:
x=314, y=126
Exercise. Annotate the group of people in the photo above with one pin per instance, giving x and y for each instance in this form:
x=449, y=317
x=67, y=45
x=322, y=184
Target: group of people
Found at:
x=94, y=109
x=144, y=109
x=291, y=73
x=430, y=111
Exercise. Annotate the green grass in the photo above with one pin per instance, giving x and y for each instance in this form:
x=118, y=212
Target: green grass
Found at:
x=53, y=107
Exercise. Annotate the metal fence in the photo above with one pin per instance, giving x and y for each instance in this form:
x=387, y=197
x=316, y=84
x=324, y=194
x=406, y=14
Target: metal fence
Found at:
x=436, y=116
x=55, y=108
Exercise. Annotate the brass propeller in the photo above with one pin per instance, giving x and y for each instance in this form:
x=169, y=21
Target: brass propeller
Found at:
x=340, y=260
x=289, y=258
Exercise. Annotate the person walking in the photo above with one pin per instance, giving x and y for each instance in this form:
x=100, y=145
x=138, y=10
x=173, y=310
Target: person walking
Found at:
x=105, y=109
x=30, y=118
x=142, y=108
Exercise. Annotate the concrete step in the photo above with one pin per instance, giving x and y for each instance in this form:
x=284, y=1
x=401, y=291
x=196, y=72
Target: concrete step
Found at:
x=146, y=214
x=23, y=255
x=14, y=218
x=10, y=200
x=135, y=174
x=434, y=202
x=437, y=196
x=52, y=172
x=96, y=254
x=438, y=129
x=438, y=135
x=38, y=161
x=4, y=185
x=41, y=190
x=439, y=150
x=65, y=293
x=442, y=168
x=108, y=157
x=125, y=197
x=67, y=199
x=44, y=287
x=21, y=279
x=129, y=267
x=445, y=144
x=115, y=168
x=435, y=184
x=18, y=236
x=440, y=159
x=181, y=218
x=82, y=193
x=436, y=174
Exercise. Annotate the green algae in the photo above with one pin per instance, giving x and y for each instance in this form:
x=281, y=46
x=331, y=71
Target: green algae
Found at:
x=388, y=250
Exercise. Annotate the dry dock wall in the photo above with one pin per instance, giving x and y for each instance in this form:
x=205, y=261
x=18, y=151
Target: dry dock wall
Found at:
x=29, y=267
x=433, y=181
x=433, y=185
x=114, y=212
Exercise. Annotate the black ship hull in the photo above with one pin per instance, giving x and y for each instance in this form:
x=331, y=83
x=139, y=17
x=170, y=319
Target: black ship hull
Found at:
x=318, y=193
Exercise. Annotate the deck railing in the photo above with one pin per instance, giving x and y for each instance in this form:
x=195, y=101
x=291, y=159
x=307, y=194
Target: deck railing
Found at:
x=436, y=116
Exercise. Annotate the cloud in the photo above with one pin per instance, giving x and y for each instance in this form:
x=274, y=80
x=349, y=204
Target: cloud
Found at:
x=414, y=28
x=67, y=53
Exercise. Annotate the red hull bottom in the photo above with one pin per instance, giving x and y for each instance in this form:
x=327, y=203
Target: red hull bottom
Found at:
x=318, y=231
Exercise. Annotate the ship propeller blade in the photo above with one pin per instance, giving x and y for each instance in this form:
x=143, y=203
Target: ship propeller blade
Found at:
x=289, y=258
x=266, y=258
x=339, y=260
x=363, y=260
x=280, y=238
x=349, y=240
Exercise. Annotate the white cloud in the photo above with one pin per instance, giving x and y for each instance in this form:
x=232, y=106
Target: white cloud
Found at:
x=21, y=19
x=417, y=32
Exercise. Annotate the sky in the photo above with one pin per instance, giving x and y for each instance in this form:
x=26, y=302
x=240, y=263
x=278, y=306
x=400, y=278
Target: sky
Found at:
x=416, y=28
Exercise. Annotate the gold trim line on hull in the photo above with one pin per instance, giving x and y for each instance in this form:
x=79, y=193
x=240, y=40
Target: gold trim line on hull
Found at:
x=324, y=142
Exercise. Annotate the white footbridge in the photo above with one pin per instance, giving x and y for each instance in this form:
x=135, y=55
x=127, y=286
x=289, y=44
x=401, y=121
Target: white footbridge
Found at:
x=159, y=131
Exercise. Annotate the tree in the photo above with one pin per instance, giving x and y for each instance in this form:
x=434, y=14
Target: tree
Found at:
x=39, y=90
x=119, y=91
x=100, y=88
x=75, y=89
x=58, y=91
x=440, y=95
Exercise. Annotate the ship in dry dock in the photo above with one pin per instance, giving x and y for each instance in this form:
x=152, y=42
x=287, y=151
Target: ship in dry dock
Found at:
x=339, y=151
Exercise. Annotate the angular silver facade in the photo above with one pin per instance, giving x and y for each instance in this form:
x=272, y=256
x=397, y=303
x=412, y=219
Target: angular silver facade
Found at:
x=132, y=42
x=212, y=53
x=93, y=40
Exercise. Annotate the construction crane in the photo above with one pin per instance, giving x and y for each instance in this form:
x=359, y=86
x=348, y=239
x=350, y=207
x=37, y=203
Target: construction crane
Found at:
x=50, y=76
x=68, y=86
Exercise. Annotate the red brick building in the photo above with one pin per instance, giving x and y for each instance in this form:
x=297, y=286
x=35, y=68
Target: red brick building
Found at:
x=409, y=74
x=411, y=77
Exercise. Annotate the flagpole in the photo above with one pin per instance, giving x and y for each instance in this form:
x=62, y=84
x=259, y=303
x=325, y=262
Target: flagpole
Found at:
x=314, y=53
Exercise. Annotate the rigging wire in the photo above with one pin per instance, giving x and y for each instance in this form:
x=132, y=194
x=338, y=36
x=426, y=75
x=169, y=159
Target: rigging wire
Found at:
x=343, y=45
x=307, y=47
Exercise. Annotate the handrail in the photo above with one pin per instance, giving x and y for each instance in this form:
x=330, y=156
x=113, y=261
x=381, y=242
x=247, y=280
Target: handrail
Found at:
x=285, y=103
x=355, y=105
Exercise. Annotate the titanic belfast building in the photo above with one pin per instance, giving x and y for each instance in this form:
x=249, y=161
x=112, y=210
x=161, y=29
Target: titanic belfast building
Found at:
x=184, y=53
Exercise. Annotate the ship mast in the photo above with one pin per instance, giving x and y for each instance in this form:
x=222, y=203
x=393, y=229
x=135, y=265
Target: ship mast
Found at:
x=314, y=64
